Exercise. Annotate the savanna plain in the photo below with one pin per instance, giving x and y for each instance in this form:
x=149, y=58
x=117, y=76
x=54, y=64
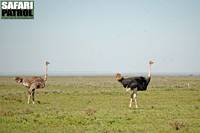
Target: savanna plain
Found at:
x=90, y=104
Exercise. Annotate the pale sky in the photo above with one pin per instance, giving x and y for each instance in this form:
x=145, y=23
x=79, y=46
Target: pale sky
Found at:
x=103, y=37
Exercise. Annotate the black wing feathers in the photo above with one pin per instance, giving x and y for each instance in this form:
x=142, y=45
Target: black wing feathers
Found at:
x=135, y=82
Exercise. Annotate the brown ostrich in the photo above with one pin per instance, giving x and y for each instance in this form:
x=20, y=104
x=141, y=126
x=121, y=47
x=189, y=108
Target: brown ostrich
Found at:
x=33, y=83
x=135, y=83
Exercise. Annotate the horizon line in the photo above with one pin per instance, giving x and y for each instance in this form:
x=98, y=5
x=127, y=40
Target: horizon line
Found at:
x=104, y=74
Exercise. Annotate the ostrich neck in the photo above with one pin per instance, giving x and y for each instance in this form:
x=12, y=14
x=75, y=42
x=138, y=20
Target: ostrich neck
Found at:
x=45, y=76
x=149, y=70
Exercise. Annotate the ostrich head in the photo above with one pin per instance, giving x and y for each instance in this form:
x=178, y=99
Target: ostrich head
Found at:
x=151, y=62
x=118, y=76
x=47, y=63
x=18, y=79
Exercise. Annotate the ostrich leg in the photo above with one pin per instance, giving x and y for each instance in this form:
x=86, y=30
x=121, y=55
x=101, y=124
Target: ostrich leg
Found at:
x=131, y=100
x=33, y=96
x=31, y=92
x=133, y=96
x=29, y=96
x=135, y=99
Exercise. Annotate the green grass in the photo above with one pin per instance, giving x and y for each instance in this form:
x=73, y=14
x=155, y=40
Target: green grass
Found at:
x=100, y=104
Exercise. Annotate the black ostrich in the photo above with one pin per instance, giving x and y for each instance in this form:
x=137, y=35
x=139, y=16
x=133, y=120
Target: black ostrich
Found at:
x=135, y=84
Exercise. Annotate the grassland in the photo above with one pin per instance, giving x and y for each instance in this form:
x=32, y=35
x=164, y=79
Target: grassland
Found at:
x=100, y=104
